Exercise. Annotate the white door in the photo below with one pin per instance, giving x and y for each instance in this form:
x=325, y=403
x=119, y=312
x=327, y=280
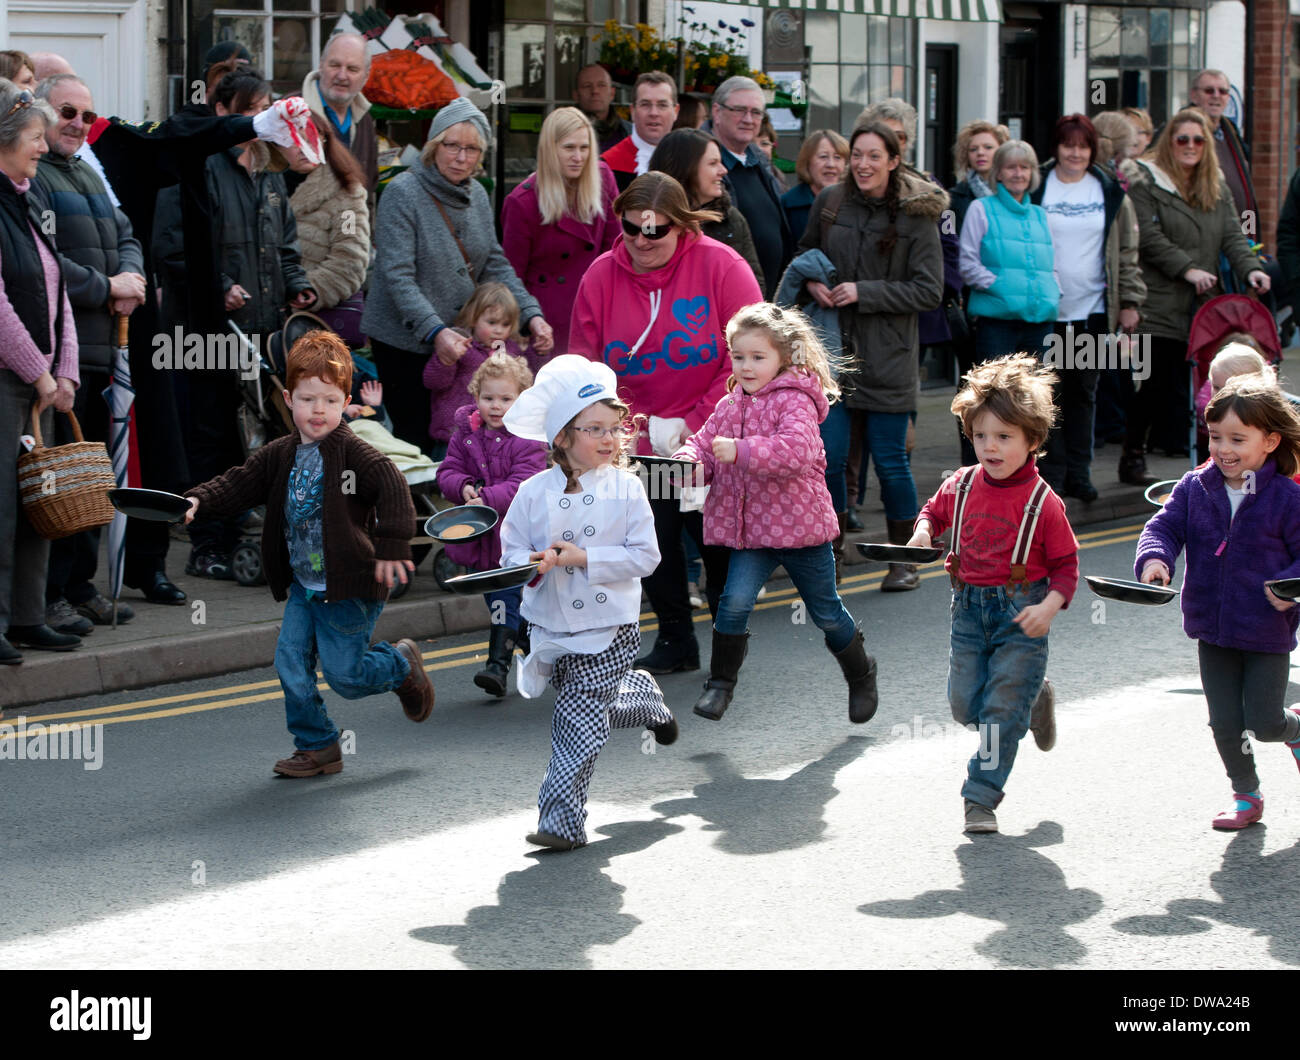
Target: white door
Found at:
x=104, y=42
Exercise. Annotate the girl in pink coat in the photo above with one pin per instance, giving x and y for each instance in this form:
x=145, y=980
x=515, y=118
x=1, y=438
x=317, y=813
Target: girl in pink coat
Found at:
x=762, y=455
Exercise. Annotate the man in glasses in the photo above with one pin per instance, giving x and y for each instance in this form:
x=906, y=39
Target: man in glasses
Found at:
x=103, y=268
x=1209, y=91
x=594, y=94
x=738, y=108
x=654, y=109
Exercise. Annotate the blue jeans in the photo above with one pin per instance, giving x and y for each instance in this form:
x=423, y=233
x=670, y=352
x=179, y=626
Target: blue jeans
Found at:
x=835, y=439
x=811, y=569
x=994, y=674
x=338, y=634
x=997, y=338
x=884, y=440
x=508, y=611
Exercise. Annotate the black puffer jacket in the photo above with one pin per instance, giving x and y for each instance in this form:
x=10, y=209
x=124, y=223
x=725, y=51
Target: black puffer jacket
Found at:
x=256, y=237
x=95, y=242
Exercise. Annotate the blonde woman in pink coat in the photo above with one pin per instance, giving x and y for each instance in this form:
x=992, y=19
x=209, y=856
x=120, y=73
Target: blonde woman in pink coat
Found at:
x=762, y=454
x=559, y=220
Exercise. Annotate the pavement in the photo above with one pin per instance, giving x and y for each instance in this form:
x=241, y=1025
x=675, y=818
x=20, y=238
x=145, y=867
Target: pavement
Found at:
x=226, y=627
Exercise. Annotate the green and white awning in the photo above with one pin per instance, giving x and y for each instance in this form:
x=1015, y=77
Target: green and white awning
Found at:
x=949, y=10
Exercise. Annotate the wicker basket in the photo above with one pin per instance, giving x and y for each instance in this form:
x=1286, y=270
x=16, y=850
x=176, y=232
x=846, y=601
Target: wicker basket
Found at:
x=65, y=488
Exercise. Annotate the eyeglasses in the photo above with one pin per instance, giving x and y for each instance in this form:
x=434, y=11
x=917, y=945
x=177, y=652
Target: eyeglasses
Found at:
x=68, y=111
x=1184, y=140
x=456, y=150
x=598, y=433
x=661, y=105
x=752, y=112
x=651, y=232
x=25, y=99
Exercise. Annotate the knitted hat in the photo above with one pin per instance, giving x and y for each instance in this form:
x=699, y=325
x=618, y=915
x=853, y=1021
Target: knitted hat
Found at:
x=565, y=385
x=458, y=110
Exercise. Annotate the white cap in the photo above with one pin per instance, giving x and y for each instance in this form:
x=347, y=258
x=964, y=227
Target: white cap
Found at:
x=564, y=386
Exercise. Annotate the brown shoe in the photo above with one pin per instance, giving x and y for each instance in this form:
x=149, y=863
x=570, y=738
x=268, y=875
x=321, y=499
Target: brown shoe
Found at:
x=1042, y=721
x=311, y=763
x=416, y=692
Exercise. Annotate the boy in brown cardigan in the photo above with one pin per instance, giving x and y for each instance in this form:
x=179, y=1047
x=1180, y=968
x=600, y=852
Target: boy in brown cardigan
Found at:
x=336, y=537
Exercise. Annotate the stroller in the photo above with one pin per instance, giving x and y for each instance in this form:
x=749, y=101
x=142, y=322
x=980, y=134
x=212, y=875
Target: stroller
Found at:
x=263, y=417
x=1214, y=321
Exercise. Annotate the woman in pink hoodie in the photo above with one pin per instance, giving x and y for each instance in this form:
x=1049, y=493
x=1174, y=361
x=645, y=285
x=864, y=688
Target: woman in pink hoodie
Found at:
x=762, y=454
x=655, y=309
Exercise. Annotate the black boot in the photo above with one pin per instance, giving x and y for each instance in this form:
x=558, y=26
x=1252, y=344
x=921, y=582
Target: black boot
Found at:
x=501, y=648
x=724, y=667
x=675, y=649
x=1133, y=468
x=901, y=576
x=860, y=673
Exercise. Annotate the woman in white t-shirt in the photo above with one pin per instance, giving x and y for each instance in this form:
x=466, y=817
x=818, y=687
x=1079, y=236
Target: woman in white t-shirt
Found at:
x=1095, y=236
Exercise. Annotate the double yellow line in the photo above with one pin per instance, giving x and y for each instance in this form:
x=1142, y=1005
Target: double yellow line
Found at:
x=450, y=658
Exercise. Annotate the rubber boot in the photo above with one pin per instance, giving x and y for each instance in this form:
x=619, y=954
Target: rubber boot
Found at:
x=501, y=648
x=724, y=668
x=860, y=674
x=901, y=576
x=837, y=546
x=1133, y=468
x=675, y=649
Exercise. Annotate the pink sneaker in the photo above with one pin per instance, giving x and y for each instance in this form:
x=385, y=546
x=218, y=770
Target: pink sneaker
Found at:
x=1234, y=819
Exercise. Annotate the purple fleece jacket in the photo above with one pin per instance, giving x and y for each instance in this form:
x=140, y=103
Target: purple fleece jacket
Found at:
x=1229, y=559
x=449, y=384
x=502, y=462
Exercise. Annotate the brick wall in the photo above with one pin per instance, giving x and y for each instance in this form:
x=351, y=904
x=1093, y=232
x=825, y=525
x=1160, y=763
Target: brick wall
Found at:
x=1268, y=108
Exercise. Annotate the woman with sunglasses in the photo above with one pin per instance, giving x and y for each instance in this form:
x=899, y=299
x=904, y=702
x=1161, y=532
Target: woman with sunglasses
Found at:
x=1186, y=219
x=655, y=309
x=561, y=218
x=38, y=367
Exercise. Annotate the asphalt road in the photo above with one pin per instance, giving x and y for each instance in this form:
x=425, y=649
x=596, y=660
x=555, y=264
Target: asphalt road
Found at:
x=782, y=836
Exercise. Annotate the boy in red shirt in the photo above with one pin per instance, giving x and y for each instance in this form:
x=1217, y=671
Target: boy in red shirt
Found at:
x=1014, y=564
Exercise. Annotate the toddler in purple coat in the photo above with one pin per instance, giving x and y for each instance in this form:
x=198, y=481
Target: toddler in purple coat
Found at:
x=1239, y=519
x=485, y=464
x=491, y=318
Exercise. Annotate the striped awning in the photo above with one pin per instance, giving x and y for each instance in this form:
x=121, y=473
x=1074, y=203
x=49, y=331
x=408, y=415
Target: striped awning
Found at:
x=949, y=10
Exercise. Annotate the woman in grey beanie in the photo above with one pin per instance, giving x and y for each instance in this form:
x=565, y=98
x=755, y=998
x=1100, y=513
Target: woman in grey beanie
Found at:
x=435, y=241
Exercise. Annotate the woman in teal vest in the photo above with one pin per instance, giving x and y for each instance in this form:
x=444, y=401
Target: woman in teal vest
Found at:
x=1007, y=260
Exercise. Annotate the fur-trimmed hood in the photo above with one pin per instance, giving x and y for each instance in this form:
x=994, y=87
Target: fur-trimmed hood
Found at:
x=918, y=197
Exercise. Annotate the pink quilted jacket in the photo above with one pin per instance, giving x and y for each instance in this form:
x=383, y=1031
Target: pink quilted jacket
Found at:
x=774, y=495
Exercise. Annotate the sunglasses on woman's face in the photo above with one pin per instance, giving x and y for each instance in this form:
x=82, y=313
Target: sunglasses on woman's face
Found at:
x=1184, y=140
x=68, y=111
x=651, y=232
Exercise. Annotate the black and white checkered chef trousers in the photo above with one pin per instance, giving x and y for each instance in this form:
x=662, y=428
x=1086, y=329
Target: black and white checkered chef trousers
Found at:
x=597, y=693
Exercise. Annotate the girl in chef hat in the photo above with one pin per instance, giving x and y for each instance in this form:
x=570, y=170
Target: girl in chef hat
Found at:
x=587, y=524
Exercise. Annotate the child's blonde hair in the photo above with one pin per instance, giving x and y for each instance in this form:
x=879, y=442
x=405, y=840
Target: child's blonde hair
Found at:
x=501, y=366
x=1017, y=389
x=1257, y=401
x=489, y=296
x=795, y=340
x=564, y=440
x=1240, y=356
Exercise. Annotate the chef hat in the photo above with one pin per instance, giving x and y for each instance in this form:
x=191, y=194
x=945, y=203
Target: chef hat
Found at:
x=564, y=386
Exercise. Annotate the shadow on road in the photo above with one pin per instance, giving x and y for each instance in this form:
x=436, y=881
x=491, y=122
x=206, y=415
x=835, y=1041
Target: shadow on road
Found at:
x=551, y=913
x=1249, y=882
x=1004, y=878
x=765, y=816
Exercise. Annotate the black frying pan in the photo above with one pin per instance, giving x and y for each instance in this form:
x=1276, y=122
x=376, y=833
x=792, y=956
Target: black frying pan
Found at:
x=1130, y=592
x=491, y=581
x=154, y=505
x=899, y=553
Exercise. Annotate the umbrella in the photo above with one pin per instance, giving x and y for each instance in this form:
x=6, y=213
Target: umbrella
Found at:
x=120, y=395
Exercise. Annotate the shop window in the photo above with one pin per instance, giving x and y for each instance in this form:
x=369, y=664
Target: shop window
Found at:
x=1142, y=57
x=284, y=37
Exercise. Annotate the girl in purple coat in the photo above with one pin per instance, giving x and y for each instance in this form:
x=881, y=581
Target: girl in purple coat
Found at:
x=762, y=453
x=485, y=464
x=1239, y=519
x=491, y=317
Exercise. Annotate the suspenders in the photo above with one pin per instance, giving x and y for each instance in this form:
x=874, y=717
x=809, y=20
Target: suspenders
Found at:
x=1024, y=538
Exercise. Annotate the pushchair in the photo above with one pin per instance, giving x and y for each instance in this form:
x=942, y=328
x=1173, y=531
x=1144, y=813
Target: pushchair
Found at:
x=263, y=417
x=1214, y=321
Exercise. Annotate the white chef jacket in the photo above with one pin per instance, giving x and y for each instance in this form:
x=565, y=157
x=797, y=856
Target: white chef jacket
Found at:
x=574, y=609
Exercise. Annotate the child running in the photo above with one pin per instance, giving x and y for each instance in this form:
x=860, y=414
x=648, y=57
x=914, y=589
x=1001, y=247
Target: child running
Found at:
x=492, y=317
x=1014, y=564
x=588, y=524
x=486, y=464
x=762, y=453
x=336, y=537
x=1239, y=520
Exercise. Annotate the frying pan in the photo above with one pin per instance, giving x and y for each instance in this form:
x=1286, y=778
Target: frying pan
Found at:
x=899, y=553
x=479, y=516
x=1158, y=492
x=154, y=505
x=1130, y=592
x=491, y=581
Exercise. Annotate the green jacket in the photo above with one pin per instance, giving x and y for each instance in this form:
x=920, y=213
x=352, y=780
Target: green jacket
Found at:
x=1174, y=236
